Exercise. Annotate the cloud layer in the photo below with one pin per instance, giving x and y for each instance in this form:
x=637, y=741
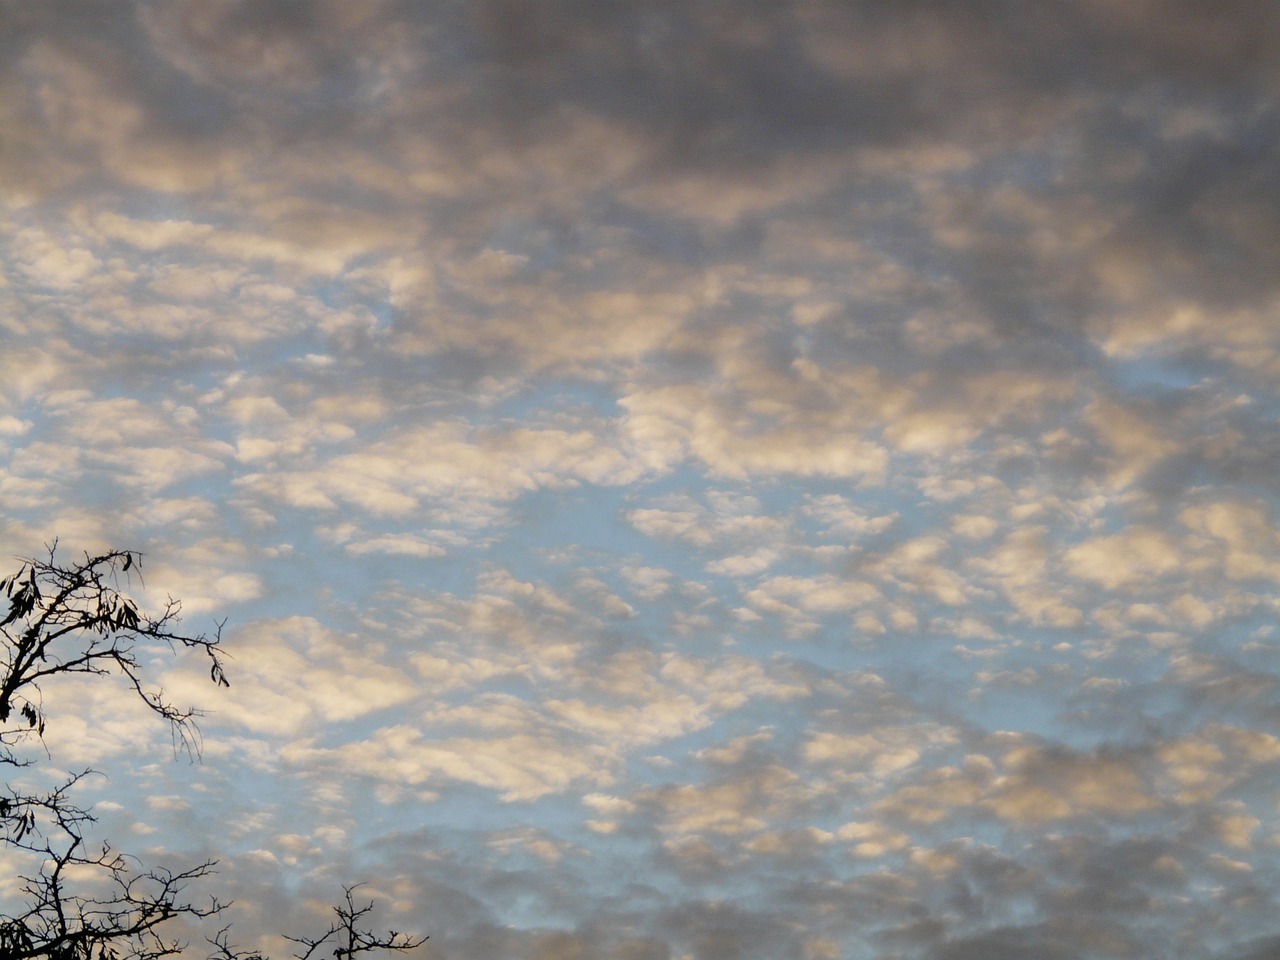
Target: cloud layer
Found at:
x=686, y=479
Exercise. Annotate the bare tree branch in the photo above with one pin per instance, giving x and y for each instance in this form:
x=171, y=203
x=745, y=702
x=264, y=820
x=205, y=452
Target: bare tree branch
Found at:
x=75, y=619
x=93, y=903
x=348, y=939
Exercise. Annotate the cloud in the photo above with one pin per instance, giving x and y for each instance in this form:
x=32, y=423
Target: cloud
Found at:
x=294, y=675
x=397, y=476
x=520, y=766
x=1203, y=766
x=1019, y=566
x=1242, y=534
x=733, y=806
x=1135, y=557
x=669, y=424
x=877, y=755
x=685, y=479
x=1045, y=785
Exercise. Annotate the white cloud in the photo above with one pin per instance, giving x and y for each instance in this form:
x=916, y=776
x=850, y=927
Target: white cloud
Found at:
x=396, y=477
x=1020, y=567
x=880, y=753
x=520, y=766
x=398, y=544
x=290, y=676
x=795, y=596
x=48, y=262
x=869, y=839
x=1133, y=557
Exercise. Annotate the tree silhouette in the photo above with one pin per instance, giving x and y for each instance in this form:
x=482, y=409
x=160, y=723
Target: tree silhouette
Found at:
x=86, y=902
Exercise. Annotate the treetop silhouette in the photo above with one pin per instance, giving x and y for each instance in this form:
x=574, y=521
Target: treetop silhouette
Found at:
x=86, y=901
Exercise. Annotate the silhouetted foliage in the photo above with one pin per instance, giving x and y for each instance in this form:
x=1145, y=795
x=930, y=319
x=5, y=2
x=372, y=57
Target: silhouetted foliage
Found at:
x=87, y=902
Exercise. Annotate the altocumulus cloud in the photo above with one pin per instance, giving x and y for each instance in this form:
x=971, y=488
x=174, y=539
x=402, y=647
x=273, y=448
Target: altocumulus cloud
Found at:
x=686, y=479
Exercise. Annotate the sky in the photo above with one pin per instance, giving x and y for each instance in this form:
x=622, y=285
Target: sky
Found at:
x=684, y=480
